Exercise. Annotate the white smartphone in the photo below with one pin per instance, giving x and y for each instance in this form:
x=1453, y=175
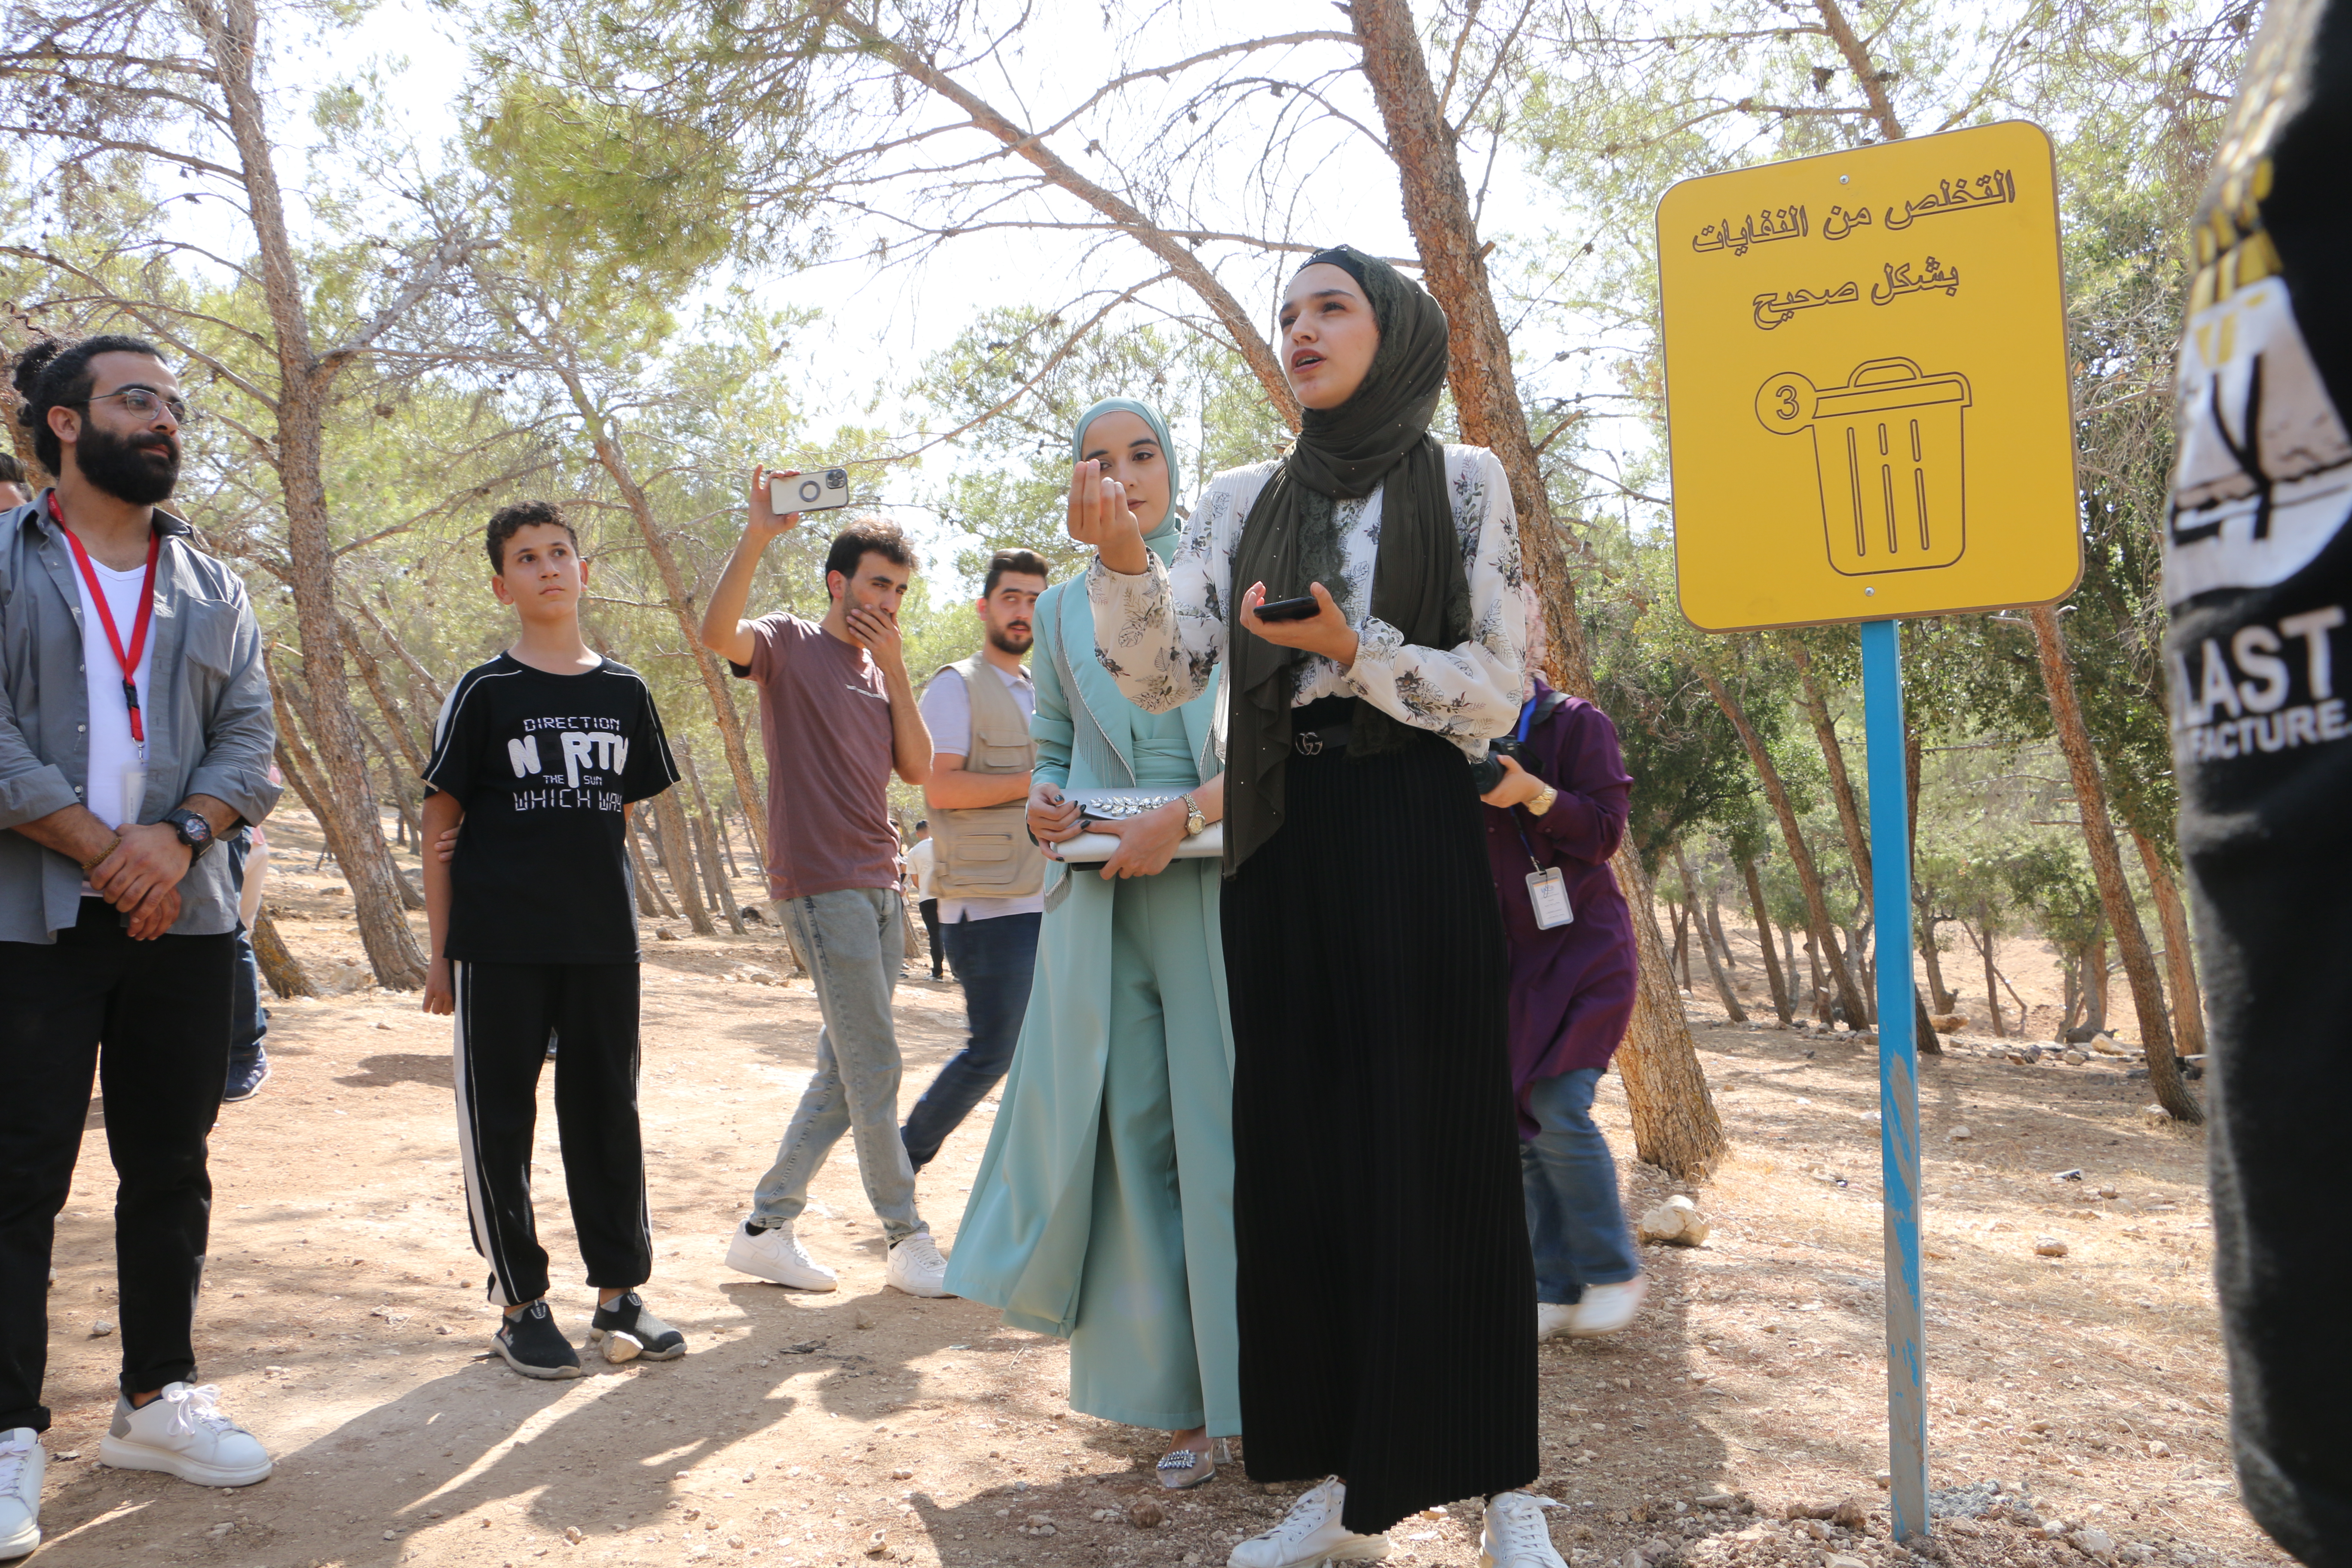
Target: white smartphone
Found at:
x=820, y=492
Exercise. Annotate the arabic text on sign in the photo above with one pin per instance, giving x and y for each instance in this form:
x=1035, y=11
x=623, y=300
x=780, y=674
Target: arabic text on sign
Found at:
x=1771, y=309
x=1783, y=223
x=1953, y=195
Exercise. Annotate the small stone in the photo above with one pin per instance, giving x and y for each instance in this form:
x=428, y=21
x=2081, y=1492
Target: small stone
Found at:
x=1675, y=1221
x=2073, y=1059
x=1720, y=1500
x=1852, y=1512
x=100, y=1327
x=878, y=1544
x=2092, y=1540
x=665, y=934
x=391, y=1534
x=2105, y=1046
x=2156, y=1113
x=2159, y=1450
x=2049, y=1247
x=1147, y=1515
x=1885, y=1480
x=1841, y=1560
x=69, y=1453
x=572, y=1533
x=440, y=1328
x=1959, y=1134
x=902, y=1475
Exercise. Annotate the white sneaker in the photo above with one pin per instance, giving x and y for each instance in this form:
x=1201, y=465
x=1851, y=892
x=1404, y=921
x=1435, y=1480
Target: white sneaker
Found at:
x=22, y=1462
x=1310, y=1535
x=185, y=1434
x=1553, y=1318
x=917, y=1267
x=1517, y=1535
x=1608, y=1307
x=776, y=1255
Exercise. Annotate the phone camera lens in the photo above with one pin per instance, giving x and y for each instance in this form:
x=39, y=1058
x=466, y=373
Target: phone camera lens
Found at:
x=837, y=478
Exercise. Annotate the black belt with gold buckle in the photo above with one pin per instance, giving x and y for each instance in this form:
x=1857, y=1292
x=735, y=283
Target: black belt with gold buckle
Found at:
x=1315, y=743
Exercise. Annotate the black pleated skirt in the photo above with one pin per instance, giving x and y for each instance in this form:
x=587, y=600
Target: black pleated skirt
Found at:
x=1387, y=1299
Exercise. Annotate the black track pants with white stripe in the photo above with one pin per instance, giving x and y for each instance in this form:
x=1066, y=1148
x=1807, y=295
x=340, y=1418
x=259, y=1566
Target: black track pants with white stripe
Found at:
x=505, y=1013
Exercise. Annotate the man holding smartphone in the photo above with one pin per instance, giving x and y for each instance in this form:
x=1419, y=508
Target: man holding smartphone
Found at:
x=837, y=715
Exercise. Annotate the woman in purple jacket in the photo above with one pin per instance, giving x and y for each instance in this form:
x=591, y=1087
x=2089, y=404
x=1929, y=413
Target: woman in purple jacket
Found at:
x=1551, y=826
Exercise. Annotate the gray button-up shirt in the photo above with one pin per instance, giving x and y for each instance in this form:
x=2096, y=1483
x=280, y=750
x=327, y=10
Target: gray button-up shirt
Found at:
x=207, y=716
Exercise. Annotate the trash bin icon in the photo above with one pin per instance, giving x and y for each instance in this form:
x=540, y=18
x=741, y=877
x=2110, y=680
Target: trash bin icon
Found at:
x=1890, y=458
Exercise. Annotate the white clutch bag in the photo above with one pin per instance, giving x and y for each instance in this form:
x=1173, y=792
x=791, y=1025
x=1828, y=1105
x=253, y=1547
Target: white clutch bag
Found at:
x=1087, y=847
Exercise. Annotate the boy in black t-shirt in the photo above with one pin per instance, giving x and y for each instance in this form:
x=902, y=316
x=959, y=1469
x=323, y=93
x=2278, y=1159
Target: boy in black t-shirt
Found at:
x=539, y=753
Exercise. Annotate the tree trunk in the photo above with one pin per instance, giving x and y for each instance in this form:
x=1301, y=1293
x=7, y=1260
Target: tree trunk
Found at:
x=1820, y=1008
x=1940, y=993
x=2106, y=863
x=1817, y=908
x=651, y=904
x=676, y=848
x=1732, y=1011
x=1681, y=912
x=279, y=965
x=231, y=34
x=371, y=673
x=1764, y=940
x=2094, y=988
x=2071, y=966
x=1676, y=1125
x=2180, y=954
x=1486, y=402
x=708, y=835
x=1992, y=985
x=1849, y=810
x=1714, y=928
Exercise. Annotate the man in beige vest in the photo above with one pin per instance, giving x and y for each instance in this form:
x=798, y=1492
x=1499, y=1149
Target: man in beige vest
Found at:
x=987, y=875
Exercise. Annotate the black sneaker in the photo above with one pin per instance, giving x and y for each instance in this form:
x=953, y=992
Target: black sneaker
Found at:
x=627, y=1331
x=534, y=1346
x=245, y=1078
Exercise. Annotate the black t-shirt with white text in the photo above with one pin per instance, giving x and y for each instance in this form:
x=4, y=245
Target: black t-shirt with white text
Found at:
x=545, y=765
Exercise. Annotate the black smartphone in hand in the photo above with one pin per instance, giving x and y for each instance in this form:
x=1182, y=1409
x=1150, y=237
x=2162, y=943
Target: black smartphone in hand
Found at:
x=1303, y=608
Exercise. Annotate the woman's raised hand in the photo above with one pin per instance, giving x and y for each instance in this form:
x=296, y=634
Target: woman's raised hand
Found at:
x=1101, y=519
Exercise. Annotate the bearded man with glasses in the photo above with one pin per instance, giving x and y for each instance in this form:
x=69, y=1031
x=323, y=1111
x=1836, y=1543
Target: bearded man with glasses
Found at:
x=135, y=732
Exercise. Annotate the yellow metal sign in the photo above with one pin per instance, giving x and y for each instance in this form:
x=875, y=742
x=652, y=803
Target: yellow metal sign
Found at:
x=1866, y=386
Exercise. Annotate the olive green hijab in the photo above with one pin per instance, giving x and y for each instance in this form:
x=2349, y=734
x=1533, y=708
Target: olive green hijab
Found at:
x=1377, y=440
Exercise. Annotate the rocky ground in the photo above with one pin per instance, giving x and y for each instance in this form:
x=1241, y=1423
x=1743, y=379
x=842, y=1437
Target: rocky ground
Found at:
x=2077, y=1396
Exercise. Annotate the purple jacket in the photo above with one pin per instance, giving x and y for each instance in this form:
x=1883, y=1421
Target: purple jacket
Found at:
x=1572, y=987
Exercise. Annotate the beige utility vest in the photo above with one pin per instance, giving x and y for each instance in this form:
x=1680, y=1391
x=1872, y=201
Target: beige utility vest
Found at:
x=985, y=852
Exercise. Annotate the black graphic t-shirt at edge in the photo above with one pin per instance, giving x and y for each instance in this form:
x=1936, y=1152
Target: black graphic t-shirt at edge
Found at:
x=545, y=765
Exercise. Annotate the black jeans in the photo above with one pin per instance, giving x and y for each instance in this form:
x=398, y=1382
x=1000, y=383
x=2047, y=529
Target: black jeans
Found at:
x=996, y=960
x=929, y=909
x=160, y=1010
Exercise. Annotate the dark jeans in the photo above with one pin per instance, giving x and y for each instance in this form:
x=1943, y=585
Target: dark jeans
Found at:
x=1575, y=1223
x=151, y=1021
x=249, y=1020
x=929, y=909
x=994, y=961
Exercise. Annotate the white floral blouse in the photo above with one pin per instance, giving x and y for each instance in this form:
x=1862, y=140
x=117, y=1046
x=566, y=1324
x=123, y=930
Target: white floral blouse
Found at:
x=1160, y=634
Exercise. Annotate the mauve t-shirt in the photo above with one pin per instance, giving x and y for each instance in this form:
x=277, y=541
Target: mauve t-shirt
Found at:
x=824, y=719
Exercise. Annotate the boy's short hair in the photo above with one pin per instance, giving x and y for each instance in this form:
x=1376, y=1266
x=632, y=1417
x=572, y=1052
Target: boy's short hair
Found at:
x=12, y=470
x=1025, y=562
x=874, y=535
x=509, y=521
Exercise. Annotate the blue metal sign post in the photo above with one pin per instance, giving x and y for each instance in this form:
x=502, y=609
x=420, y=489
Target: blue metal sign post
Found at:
x=1898, y=1074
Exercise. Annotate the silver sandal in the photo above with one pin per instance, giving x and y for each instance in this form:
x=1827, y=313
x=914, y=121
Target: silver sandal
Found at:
x=1182, y=1468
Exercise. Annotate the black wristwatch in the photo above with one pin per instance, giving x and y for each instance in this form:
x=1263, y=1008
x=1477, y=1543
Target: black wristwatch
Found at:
x=193, y=831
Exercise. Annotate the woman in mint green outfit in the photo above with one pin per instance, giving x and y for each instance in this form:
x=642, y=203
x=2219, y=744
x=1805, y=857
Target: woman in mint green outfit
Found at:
x=1103, y=1211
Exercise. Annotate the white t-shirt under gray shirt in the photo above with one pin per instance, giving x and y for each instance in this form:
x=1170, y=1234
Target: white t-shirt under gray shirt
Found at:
x=115, y=759
x=947, y=713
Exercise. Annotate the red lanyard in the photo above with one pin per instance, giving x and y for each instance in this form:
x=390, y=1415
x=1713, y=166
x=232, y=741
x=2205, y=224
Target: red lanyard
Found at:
x=128, y=663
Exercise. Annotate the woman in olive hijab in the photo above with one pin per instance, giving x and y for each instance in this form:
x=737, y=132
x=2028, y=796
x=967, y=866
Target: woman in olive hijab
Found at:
x=1386, y=1297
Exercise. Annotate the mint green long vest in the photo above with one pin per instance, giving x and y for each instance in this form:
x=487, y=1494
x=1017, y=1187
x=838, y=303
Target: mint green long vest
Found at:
x=1022, y=1243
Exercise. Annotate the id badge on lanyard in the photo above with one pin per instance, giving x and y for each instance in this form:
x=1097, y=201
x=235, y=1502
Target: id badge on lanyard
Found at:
x=1547, y=888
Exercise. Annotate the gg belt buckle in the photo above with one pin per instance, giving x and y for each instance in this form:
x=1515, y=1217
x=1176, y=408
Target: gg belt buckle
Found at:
x=1309, y=743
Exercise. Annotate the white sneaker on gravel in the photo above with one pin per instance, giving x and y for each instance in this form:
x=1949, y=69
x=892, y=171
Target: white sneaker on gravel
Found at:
x=917, y=1267
x=1606, y=1309
x=184, y=1433
x=776, y=1255
x=22, y=1462
x=1310, y=1535
x=1553, y=1318
x=1517, y=1535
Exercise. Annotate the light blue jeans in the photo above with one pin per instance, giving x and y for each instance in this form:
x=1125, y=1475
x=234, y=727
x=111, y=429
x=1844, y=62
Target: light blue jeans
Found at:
x=1575, y=1221
x=851, y=942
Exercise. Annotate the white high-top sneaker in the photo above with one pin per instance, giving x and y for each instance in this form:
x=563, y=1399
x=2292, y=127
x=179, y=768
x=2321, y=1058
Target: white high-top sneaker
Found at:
x=22, y=1462
x=775, y=1255
x=1310, y=1535
x=1516, y=1535
x=185, y=1434
x=1554, y=1319
x=1606, y=1309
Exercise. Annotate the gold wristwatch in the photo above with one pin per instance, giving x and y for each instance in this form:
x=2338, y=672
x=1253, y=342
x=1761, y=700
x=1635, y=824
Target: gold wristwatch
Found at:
x=1542, y=803
x=1195, y=823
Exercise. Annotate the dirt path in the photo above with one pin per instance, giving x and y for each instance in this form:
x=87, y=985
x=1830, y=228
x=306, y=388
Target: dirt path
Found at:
x=344, y=1319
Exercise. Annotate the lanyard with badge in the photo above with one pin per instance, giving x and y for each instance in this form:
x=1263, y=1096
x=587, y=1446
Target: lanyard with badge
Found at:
x=1547, y=888
x=134, y=772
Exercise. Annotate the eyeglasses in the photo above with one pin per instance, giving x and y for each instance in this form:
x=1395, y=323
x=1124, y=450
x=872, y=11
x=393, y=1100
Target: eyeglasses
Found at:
x=144, y=404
